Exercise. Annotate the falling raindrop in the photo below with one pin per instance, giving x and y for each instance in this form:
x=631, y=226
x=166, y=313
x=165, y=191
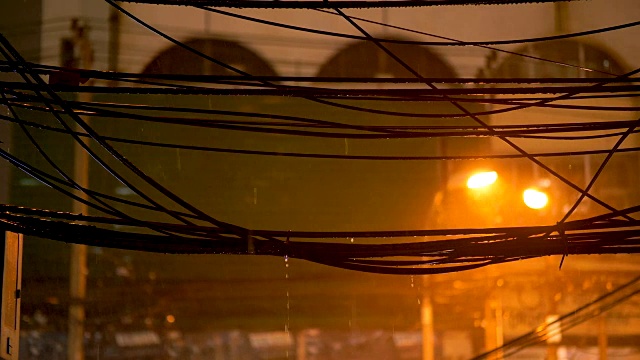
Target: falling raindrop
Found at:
x=346, y=147
x=288, y=319
x=412, y=281
x=351, y=239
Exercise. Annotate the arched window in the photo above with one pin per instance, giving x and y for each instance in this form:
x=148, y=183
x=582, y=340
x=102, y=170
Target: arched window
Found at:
x=177, y=60
x=564, y=51
x=365, y=59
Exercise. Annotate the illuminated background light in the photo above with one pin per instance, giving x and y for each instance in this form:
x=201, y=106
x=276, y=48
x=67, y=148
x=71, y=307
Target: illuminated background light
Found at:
x=535, y=199
x=482, y=179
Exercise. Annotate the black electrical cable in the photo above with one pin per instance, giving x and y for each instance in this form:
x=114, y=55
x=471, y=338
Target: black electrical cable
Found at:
x=329, y=103
x=324, y=4
x=485, y=45
x=254, y=80
x=355, y=258
x=478, y=120
x=204, y=56
x=425, y=43
x=48, y=159
x=451, y=42
x=334, y=93
x=350, y=256
x=46, y=179
x=116, y=155
x=103, y=205
x=598, y=172
x=524, y=131
x=50, y=181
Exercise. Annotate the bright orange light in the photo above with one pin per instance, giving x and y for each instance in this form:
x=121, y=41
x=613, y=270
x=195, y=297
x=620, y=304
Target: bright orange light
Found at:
x=482, y=179
x=535, y=199
x=171, y=319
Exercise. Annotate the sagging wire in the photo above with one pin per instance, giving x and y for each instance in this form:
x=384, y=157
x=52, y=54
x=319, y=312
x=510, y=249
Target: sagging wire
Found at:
x=109, y=149
x=530, y=131
x=318, y=100
x=598, y=172
x=583, y=192
x=376, y=265
x=54, y=182
x=161, y=79
x=450, y=42
x=329, y=156
x=319, y=93
x=478, y=120
x=324, y=4
x=486, y=44
x=443, y=255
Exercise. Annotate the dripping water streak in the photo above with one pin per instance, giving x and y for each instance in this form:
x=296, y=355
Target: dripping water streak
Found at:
x=286, y=325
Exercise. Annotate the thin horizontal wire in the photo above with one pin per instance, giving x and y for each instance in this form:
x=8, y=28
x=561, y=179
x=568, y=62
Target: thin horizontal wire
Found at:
x=325, y=4
x=335, y=156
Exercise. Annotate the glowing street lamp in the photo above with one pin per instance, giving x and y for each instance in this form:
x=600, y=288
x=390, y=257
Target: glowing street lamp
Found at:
x=482, y=179
x=535, y=199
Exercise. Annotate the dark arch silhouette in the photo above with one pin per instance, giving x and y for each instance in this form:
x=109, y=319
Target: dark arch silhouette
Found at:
x=565, y=51
x=176, y=60
x=365, y=59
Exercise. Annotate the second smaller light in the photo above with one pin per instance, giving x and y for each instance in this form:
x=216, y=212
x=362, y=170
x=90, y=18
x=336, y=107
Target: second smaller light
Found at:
x=535, y=198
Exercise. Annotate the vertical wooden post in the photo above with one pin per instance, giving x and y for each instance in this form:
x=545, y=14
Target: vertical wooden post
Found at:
x=561, y=17
x=493, y=325
x=554, y=333
x=11, y=262
x=114, y=42
x=78, y=266
x=426, y=319
x=602, y=336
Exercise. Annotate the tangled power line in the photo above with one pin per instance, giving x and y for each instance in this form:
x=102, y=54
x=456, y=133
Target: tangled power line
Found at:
x=324, y=4
x=188, y=229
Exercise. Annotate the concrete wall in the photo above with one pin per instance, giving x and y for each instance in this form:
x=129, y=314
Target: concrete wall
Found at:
x=295, y=53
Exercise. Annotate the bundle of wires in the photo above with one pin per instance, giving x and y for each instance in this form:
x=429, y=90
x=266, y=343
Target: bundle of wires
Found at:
x=192, y=230
x=323, y=4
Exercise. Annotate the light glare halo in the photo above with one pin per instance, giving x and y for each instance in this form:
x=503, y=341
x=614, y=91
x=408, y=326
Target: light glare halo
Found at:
x=535, y=199
x=482, y=179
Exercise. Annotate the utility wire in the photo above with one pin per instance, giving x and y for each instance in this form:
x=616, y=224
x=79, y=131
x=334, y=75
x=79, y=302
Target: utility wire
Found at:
x=478, y=120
